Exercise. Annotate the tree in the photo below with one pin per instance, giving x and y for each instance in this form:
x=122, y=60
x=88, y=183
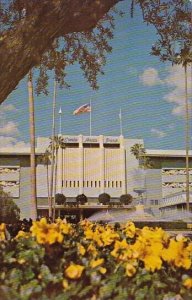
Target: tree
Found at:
x=29, y=29
x=126, y=199
x=174, y=28
x=81, y=199
x=140, y=154
x=60, y=199
x=32, y=144
x=104, y=198
x=9, y=212
x=45, y=160
x=56, y=143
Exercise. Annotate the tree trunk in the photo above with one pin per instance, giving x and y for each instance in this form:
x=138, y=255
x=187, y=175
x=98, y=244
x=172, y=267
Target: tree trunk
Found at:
x=55, y=183
x=52, y=150
x=32, y=143
x=187, y=138
x=48, y=192
x=22, y=47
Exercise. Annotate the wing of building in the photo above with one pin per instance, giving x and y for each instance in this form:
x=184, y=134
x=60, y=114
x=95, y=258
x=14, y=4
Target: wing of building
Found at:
x=91, y=166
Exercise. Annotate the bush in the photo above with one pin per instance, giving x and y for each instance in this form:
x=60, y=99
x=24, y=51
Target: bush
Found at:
x=60, y=199
x=65, y=261
x=9, y=212
x=104, y=198
x=81, y=199
x=126, y=199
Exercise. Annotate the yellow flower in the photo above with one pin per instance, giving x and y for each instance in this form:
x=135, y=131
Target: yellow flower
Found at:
x=122, y=250
x=2, y=231
x=96, y=263
x=21, y=261
x=92, y=249
x=65, y=284
x=178, y=254
x=74, y=271
x=46, y=233
x=188, y=283
x=102, y=270
x=81, y=249
x=130, y=270
x=130, y=230
x=22, y=234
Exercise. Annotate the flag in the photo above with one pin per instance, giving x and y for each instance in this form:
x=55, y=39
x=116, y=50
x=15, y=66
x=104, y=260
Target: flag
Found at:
x=120, y=115
x=82, y=109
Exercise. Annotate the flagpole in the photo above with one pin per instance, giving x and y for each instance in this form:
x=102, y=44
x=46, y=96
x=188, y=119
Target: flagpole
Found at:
x=60, y=115
x=90, y=119
x=120, y=122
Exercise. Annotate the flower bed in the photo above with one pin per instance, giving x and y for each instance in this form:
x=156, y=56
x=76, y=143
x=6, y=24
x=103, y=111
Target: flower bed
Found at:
x=92, y=261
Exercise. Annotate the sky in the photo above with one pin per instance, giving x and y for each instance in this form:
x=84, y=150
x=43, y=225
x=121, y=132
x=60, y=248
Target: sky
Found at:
x=150, y=94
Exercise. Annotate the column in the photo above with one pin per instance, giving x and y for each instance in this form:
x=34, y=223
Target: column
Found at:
x=81, y=164
x=102, y=164
x=123, y=163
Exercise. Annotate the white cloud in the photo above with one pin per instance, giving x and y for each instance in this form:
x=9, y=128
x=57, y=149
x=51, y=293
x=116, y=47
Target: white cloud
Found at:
x=158, y=133
x=10, y=128
x=7, y=107
x=176, y=81
x=9, y=141
x=150, y=77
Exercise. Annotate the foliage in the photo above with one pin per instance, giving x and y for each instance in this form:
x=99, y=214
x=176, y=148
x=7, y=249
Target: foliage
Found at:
x=60, y=199
x=172, y=21
x=126, y=199
x=104, y=198
x=9, y=211
x=93, y=261
x=88, y=48
x=139, y=152
x=81, y=199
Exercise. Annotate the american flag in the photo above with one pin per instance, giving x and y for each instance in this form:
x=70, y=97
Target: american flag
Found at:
x=82, y=109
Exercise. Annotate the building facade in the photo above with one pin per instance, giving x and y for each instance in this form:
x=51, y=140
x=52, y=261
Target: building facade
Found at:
x=93, y=165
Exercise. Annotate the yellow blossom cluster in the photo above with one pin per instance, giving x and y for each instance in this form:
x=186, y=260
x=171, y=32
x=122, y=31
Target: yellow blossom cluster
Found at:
x=103, y=236
x=2, y=231
x=152, y=246
x=50, y=233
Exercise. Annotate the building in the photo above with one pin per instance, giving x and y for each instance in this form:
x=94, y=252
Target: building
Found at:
x=94, y=165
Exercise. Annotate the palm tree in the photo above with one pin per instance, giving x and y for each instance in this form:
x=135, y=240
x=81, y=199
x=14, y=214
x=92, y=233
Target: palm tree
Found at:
x=57, y=143
x=45, y=159
x=185, y=59
x=52, y=149
x=32, y=143
x=140, y=154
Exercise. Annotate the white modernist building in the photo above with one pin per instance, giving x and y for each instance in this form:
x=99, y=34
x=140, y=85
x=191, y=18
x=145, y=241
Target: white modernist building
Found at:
x=92, y=165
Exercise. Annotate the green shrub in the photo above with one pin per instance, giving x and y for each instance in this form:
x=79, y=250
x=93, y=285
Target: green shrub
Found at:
x=104, y=198
x=9, y=212
x=126, y=199
x=60, y=199
x=81, y=199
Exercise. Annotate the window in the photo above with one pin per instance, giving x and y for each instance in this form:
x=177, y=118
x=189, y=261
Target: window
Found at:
x=104, y=183
x=120, y=182
x=99, y=183
x=108, y=183
x=62, y=183
x=112, y=184
x=66, y=183
x=95, y=183
x=116, y=184
x=70, y=183
x=74, y=184
x=78, y=183
x=91, y=183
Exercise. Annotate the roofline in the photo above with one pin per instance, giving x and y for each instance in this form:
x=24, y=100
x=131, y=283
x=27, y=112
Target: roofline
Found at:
x=167, y=153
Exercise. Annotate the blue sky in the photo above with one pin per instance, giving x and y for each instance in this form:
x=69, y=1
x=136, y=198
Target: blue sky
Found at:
x=149, y=92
